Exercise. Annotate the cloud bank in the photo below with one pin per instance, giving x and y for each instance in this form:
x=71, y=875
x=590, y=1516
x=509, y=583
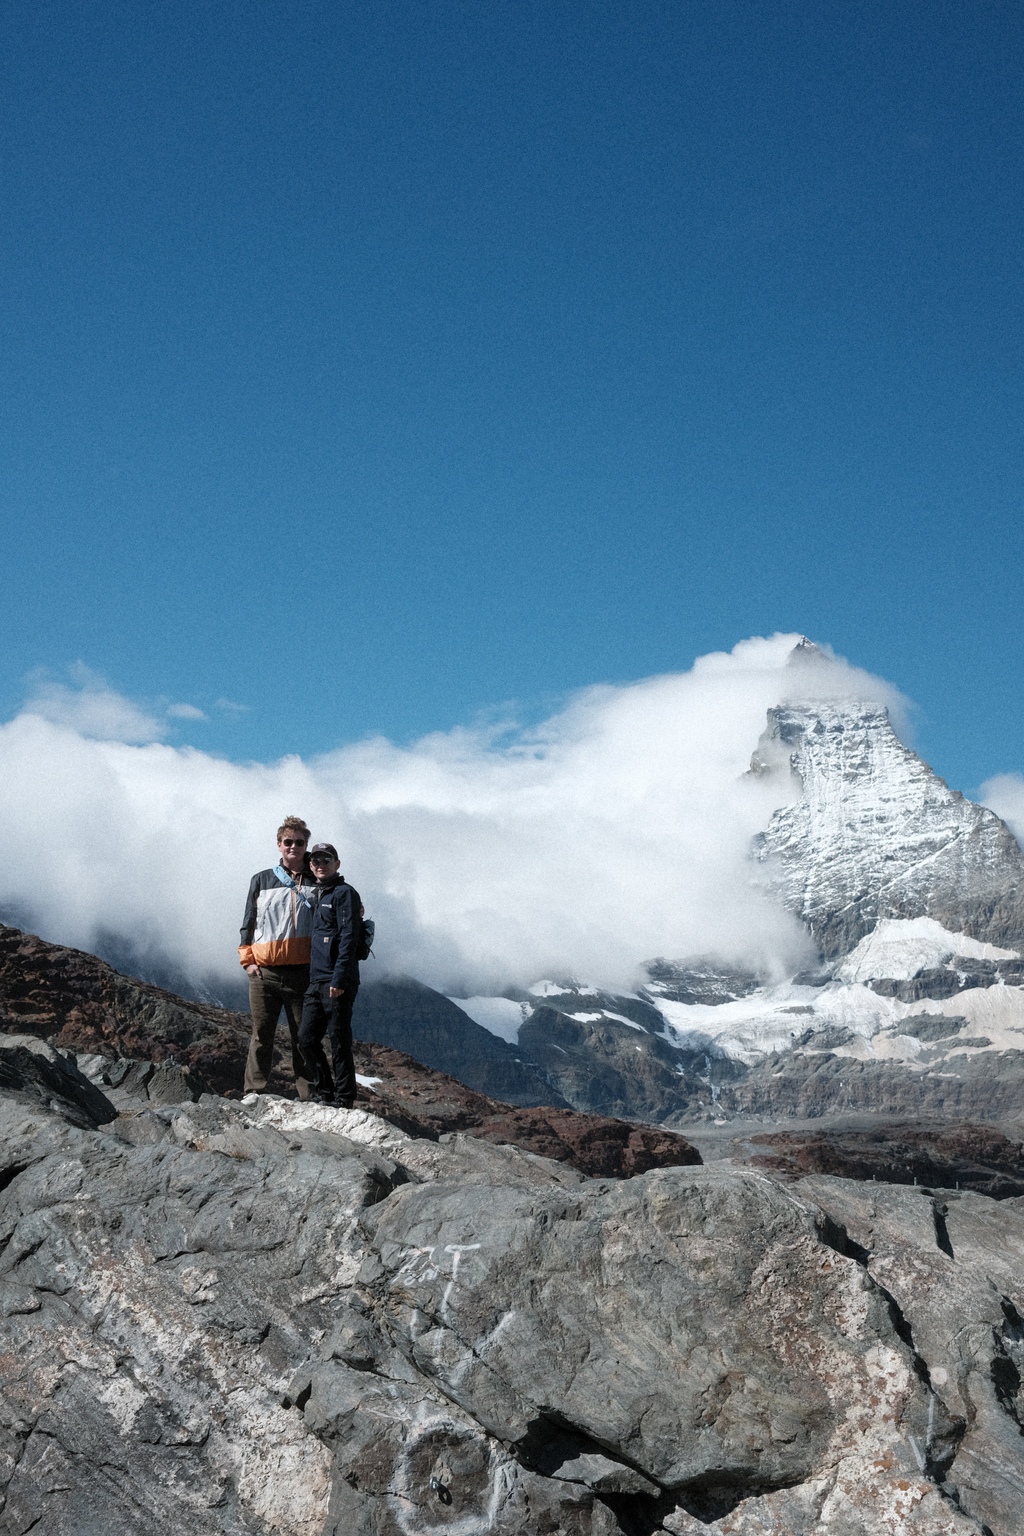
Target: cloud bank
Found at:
x=615, y=832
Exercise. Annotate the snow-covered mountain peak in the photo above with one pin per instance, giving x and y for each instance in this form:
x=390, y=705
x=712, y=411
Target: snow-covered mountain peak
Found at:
x=876, y=834
x=805, y=650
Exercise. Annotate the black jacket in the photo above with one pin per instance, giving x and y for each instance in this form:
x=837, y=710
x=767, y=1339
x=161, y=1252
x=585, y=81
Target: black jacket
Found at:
x=337, y=932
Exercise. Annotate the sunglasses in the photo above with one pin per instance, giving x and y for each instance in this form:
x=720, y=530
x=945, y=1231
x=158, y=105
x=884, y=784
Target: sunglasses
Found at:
x=294, y=842
x=321, y=858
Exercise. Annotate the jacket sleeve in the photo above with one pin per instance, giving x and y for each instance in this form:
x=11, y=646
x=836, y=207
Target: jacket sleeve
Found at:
x=245, y=954
x=347, y=908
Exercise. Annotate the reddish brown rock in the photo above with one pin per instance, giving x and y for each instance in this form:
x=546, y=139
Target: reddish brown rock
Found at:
x=976, y=1157
x=80, y=1003
x=425, y=1102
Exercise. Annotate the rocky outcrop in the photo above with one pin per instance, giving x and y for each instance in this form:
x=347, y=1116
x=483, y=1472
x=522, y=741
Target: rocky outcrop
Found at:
x=698, y=982
x=39, y=1078
x=280, y=1318
x=947, y=980
x=875, y=833
x=952, y=1266
x=163, y=1082
x=958, y=1084
x=603, y=1065
x=80, y=1006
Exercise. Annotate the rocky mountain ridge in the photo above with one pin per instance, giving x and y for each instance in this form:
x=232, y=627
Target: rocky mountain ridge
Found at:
x=137, y=1042
x=775, y=1053
x=915, y=898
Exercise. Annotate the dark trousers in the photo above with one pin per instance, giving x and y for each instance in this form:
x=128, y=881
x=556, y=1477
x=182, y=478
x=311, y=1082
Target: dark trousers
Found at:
x=323, y=1014
x=280, y=986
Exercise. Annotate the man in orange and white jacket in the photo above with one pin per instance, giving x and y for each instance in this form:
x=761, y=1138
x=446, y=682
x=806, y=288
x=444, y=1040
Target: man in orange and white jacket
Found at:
x=274, y=953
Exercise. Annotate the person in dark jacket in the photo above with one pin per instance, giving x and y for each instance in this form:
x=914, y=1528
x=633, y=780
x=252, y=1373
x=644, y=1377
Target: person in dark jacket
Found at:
x=333, y=980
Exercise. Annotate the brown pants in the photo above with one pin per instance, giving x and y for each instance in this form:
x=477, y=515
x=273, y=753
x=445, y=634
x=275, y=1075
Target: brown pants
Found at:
x=280, y=986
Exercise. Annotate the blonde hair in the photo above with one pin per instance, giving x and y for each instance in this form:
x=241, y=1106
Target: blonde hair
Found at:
x=293, y=824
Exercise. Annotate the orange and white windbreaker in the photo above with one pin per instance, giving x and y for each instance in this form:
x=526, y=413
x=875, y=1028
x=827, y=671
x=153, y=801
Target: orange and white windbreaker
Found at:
x=278, y=919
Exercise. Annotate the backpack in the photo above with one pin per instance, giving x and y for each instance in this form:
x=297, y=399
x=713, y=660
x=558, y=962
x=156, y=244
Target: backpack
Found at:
x=369, y=928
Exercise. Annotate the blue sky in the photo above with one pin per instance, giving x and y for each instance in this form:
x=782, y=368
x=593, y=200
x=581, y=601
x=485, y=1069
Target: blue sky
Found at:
x=371, y=366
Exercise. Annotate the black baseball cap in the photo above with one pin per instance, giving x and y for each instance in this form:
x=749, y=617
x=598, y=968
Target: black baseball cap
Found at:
x=324, y=848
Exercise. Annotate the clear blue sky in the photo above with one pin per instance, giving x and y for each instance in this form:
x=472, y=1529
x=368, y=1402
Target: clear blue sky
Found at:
x=373, y=364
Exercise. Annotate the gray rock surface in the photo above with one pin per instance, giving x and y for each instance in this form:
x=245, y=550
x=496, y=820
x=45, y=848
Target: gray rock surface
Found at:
x=958, y=1079
x=36, y=1075
x=159, y=1082
x=948, y=980
x=280, y=1318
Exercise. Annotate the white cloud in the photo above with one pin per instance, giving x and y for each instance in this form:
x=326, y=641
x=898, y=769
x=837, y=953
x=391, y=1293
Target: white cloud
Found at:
x=231, y=708
x=92, y=708
x=185, y=712
x=1005, y=795
x=615, y=832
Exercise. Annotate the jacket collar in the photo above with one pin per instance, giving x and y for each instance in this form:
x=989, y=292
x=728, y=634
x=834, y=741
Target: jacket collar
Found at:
x=287, y=879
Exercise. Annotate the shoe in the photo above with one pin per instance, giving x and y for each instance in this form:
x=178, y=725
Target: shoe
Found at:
x=344, y=1103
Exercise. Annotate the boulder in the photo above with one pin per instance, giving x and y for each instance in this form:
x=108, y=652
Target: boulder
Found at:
x=34, y=1073
x=273, y=1317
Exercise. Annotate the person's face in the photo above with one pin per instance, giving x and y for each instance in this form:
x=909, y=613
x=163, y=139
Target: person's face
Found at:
x=292, y=848
x=323, y=866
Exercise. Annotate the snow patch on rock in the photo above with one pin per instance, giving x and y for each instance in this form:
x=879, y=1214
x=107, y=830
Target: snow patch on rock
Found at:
x=500, y=1015
x=902, y=947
